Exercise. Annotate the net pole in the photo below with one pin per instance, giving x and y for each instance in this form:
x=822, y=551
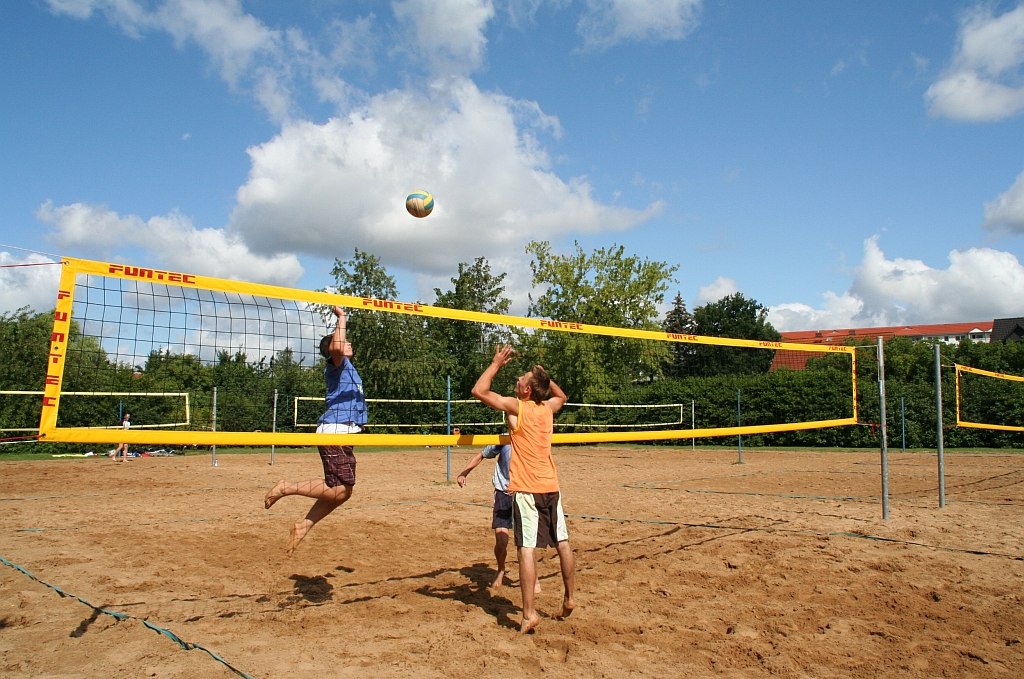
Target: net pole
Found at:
x=938, y=426
x=448, y=417
x=273, y=428
x=213, y=427
x=885, y=443
x=739, y=423
x=903, y=424
x=693, y=423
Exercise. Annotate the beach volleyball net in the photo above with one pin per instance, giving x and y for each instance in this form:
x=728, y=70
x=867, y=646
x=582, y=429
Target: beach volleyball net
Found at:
x=989, y=400
x=237, y=363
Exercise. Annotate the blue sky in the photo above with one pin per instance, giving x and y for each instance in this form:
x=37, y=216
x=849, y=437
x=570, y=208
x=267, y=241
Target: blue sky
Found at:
x=845, y=164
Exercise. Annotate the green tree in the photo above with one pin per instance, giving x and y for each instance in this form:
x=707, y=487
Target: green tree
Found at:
x=24, y=345
x=679, y=321
x=243, y=396
x=291, y=379
x=606, y=287
x=166, y=372
x=468, y=346
x=737, y=317
x=395, y=354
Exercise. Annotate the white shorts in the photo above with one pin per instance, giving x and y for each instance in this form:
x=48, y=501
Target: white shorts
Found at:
x=338, y=428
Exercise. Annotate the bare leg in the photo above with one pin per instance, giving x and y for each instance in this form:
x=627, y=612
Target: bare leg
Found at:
x=315, y=489
x=527, y=585
x=321, y=508
x=327, y=500
x=500, y=554
x=274, y=494
x=567, y=563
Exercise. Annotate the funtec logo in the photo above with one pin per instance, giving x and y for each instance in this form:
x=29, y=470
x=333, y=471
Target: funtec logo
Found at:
x=371, y=303
x=561, y=325
x=151, y=274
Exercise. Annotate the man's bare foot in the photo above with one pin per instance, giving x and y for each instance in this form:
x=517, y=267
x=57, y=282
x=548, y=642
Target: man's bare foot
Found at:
x=567, y=607
x=299, y=531
x=498, y=581
x=274, y=494
x=529, y=624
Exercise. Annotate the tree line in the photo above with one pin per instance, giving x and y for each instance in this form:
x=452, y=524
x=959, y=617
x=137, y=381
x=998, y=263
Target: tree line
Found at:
x=410, y=357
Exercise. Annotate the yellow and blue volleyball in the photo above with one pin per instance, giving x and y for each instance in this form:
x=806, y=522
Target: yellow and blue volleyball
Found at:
x=419, y=203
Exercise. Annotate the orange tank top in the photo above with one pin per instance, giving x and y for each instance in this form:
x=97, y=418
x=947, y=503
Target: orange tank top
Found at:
x=532, y=469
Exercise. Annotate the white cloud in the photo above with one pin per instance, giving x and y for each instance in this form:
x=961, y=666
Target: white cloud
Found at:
x=447, y=34
x=1006, y=213
x=79, y=9
x=28, y=281
x=716, y=290
x=444, y=37
x=837, y=312
x=983, y=82
x=231, y=38
x=170, y=241
x=245, y=53
x=610, y=22
x=980, y=284
x=320, y=188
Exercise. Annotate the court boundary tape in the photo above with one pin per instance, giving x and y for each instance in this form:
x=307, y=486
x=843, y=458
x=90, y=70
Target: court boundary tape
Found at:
x=184, y=645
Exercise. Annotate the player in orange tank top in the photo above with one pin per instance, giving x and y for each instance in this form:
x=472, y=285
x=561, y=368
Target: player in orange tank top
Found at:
x=538, y=518
x=532, y=469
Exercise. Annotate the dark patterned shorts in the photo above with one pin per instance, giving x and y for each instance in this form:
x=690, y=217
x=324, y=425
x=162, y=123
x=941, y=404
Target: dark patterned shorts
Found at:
x=501, y=516
x=339, y=465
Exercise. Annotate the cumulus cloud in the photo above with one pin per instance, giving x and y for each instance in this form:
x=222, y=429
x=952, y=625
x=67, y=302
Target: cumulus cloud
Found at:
x=320, y=188
x=984, y=80
x=171, y=241
x=28, y=281
x=1006, y=213
x=448, y=34
x=247, y=55
x=607, y=23
x=837, y=312
x=722, y=286
x=979, y=284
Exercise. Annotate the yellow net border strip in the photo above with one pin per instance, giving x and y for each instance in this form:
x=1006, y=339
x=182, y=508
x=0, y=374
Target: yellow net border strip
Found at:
x=72, y=267
x=960, y=422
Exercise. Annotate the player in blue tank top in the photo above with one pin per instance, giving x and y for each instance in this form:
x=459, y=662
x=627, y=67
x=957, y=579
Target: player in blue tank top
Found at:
x=345, y=413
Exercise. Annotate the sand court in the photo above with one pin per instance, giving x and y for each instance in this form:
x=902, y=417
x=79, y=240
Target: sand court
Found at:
x=688, y=565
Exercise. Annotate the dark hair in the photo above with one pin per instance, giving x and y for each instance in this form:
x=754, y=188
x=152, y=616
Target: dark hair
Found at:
x=325, y=345
x=540, y=384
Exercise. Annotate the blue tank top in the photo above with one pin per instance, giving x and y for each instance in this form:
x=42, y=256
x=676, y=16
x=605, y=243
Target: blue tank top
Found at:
x=500, y=476
x=345, y=400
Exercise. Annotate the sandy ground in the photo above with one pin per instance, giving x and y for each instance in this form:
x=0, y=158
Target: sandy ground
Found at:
x=689, y=565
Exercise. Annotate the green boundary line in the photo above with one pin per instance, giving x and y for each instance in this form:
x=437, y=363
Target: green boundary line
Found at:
x=184, y=645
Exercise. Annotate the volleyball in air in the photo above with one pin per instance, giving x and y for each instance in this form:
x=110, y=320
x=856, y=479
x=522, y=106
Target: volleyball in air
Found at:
x=419, y=203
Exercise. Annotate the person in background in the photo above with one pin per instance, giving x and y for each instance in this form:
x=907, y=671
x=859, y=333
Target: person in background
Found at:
x=122, y=448
x=501, y=513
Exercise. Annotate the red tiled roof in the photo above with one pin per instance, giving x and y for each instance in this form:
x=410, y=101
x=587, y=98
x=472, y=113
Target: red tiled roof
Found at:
x=888, y=332
x=797, y=359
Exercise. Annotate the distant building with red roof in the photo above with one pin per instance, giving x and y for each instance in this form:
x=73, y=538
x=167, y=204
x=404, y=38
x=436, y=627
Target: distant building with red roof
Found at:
x=947, y=333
